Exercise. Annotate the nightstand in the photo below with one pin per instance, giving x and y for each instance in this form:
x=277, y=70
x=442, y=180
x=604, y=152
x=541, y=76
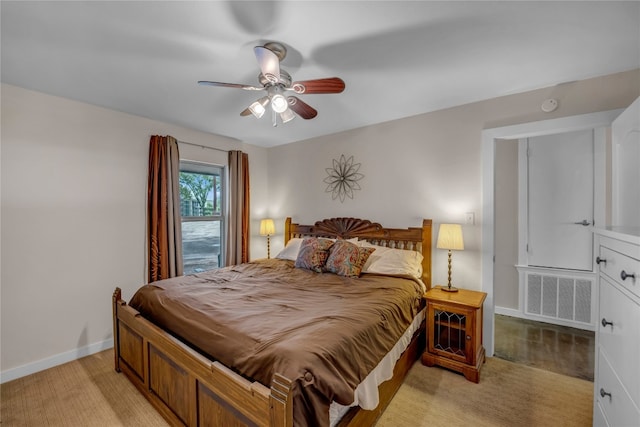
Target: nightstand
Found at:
x=454, y=331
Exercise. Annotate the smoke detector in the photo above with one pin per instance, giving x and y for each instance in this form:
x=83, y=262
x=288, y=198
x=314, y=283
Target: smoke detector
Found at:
x=549, y=105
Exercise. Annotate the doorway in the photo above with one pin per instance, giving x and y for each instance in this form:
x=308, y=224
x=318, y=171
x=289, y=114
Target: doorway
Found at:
x=556, y=210
x=489, y=137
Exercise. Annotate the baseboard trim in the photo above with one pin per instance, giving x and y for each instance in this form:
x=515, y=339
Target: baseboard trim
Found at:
x=508, y=312
x=50, y=362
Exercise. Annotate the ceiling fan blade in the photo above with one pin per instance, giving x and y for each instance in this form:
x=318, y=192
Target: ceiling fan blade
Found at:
x=328, y=85
x=301, y=108
x=245, y=112
x=269, y=63
x=234, y=85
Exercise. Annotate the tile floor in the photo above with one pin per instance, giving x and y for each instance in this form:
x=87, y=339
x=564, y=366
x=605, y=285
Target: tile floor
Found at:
x=555, y=348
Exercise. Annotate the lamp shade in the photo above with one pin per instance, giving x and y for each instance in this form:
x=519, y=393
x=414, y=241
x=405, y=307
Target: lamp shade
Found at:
x=450, y=237
x=267, y=227
x=287, y=115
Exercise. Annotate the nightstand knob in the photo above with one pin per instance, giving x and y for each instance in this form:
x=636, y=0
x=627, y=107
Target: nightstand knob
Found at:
x=599, y=260
x=604, y=393
x=468, y=337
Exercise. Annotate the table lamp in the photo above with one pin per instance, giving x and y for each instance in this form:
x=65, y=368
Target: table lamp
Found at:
x=267, y=228
x=450, y=237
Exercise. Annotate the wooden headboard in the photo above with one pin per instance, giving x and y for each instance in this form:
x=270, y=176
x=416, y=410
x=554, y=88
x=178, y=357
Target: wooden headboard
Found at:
x=413, y=238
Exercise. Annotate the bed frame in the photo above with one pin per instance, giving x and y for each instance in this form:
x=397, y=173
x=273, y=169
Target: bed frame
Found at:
x=189, y=389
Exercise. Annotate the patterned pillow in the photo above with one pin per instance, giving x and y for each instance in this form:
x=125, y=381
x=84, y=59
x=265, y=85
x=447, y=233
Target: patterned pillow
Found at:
x=347, y=259
x=313, y=253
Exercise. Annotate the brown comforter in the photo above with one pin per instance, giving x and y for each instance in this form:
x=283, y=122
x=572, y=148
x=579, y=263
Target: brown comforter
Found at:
x=322, y=331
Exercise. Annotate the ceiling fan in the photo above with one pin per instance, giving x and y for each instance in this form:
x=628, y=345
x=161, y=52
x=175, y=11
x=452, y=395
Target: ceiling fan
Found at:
x=280, y=89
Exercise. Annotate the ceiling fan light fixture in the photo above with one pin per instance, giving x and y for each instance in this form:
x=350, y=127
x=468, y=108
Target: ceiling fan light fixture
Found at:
x=279, y=86
x=257, y=108
x=279, y=103
x=287, y=115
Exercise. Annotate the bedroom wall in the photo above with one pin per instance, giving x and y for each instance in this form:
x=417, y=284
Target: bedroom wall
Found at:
x=426, y=166
x=73, y=186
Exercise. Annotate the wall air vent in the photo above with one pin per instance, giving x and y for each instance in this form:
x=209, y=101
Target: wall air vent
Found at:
x=559, y=297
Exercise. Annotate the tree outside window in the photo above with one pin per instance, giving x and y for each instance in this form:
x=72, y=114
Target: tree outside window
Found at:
x=198, y=188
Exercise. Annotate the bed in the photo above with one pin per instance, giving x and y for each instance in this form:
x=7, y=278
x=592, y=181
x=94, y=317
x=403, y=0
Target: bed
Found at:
x=268, y=381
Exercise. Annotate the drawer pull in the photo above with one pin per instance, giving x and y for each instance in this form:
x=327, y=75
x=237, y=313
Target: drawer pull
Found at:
x=624, y=275
x=604, y=393
x=600, y=260
x=605, y=323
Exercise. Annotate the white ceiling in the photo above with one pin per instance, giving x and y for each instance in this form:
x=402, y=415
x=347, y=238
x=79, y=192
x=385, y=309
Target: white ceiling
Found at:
x=398, y=59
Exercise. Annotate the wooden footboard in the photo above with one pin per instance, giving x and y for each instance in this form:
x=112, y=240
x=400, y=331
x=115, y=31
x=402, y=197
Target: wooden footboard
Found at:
x=189, y=389
x=186, y=387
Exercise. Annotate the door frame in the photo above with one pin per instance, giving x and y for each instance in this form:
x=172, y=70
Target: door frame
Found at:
x=525, y=130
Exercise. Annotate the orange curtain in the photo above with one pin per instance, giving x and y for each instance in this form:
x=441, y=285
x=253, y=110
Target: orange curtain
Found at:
x=164, y=231
x=237, y=250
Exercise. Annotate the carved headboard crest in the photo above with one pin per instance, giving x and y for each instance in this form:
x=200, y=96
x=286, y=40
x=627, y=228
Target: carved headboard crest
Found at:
x=346, y=227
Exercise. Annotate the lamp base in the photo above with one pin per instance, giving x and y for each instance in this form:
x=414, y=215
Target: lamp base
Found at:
x=449, y=289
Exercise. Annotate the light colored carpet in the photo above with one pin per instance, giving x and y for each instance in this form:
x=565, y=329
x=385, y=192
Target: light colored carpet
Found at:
x=85, y=392
x=508, y=394
x=88, y=392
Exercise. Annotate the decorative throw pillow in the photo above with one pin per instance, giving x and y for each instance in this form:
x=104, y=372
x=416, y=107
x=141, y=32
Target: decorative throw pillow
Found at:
x=313, y=253
x=347, y=259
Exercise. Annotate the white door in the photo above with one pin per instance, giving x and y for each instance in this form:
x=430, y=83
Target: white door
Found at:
x=560, y=200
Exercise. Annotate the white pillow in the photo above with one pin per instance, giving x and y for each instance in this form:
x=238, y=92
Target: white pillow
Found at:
x=290, y=251
x=393, y=261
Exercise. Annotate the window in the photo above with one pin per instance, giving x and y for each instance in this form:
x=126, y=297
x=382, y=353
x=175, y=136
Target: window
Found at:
x=201, y=198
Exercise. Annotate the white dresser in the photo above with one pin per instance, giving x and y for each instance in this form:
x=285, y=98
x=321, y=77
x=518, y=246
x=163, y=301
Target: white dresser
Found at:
x=617, y=361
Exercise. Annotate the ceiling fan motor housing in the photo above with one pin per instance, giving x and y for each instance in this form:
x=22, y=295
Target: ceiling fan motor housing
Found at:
x=277, y=48
x=285, y=79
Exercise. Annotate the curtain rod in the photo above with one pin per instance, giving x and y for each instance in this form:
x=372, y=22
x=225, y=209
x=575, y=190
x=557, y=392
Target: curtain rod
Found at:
x=203, y=146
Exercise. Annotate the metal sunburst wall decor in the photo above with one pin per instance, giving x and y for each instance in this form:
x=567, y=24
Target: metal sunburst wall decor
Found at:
x=343, y=177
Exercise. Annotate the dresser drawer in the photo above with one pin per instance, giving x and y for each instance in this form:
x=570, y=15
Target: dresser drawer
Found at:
x=616, y=260
x=598, y=416
x=612, y=398
x=620, y=341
